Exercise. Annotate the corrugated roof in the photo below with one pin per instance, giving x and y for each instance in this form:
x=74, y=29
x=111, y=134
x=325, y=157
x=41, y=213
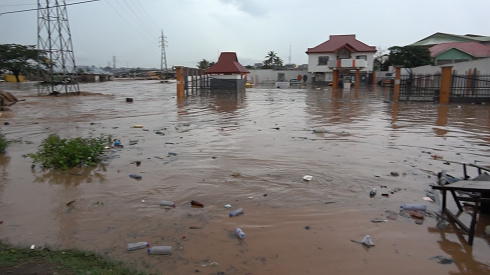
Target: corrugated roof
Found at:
x=474, y=49
x=440, y=37
x=227, y=64
x=337, y=42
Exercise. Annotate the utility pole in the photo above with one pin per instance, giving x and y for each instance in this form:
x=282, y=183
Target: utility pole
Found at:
x=163, y=60
x=59, y=74
x=113, y=63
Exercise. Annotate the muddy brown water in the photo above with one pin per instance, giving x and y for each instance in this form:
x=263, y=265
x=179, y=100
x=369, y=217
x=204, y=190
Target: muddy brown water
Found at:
x=249, y=150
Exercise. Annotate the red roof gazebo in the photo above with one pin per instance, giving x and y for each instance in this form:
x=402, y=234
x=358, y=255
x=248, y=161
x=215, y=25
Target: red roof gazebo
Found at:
x=227, y=64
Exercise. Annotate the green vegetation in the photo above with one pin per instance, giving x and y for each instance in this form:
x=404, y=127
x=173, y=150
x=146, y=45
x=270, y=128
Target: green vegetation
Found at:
x=20, y=59
x=272, y=61
x=204, y=64
x=3, y=144
x=61, y=153
x=409, y=56
x=18, y=260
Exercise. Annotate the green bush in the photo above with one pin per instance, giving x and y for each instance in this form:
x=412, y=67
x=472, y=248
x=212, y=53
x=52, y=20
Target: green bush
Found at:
x=61, y=153
x=3, y=144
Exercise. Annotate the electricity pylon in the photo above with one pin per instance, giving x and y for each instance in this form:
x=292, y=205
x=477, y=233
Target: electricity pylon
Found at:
x=163, y=60
x=58, y=69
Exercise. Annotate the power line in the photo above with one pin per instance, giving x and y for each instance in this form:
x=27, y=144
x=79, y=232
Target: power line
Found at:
x=56, y=6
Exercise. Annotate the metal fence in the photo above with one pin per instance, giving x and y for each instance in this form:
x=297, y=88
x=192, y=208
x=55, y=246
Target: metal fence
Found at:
x=420, y=87
x=470, y=88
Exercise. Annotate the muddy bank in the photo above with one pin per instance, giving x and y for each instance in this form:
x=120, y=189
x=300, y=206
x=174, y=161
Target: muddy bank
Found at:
x=250, y=150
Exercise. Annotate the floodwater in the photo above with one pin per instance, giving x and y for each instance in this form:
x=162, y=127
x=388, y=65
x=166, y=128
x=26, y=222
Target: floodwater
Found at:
x=249, y=150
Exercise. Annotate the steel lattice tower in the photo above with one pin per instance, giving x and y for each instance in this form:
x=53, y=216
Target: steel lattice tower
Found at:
x=163, y=59
x=58, y=71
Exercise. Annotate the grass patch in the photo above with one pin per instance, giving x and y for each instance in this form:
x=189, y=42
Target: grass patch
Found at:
x=3, y=144
x=18, y=260
x=61, y=153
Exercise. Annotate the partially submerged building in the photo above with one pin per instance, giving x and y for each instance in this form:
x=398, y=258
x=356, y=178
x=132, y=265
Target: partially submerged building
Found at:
x=342, y=56
x=227, y=73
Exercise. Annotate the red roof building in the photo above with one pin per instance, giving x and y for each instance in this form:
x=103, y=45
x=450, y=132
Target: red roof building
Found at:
x=227, y=64
x=338, y=42
x=474, y=49
x=341, y=56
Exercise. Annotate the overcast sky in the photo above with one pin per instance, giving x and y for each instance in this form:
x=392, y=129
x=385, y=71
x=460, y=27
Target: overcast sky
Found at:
x=201, y=29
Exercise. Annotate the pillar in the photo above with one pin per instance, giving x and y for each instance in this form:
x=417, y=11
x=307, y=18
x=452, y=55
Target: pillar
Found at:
x=396, y=95
x=335, y=84
x=374, y=78
x=445, y=85
x=180, y=81
x=358, y=78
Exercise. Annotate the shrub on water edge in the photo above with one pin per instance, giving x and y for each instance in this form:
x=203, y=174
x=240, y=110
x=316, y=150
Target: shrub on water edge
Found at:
x=61, y=153
x=3, y=144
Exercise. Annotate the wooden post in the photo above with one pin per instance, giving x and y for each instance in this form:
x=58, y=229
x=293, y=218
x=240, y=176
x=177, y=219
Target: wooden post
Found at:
x=445, y=85
x=180, y=81
x=335, y=84
x=357, y=78
x=396, y=95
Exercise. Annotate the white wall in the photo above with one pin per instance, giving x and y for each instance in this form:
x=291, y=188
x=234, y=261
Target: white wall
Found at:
x=314, y=68
x=270, y=76
x=482, y=65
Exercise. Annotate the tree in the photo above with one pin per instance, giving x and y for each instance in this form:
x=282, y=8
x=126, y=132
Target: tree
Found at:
x=204, y=64
x=19, y=58
x=272, y=61
x=380, y=59
x=409, y=56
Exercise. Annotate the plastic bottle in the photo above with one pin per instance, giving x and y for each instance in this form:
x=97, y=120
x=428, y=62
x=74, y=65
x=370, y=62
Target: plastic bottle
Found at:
x=413, y=207
x=135, y=176
x=138, y=245
x=167, y=203
x=239, y=233
x=236, y=212
x=160, y=250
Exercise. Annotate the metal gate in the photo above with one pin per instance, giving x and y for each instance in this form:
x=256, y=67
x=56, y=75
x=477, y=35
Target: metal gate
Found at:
x=420, y=87
x=470, y=88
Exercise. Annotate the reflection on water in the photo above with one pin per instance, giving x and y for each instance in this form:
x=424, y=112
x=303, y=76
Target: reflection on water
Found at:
x=251, y=150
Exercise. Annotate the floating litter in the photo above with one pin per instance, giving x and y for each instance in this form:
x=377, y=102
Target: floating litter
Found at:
x=307, y=178
x=367, y=241
x=227, y=205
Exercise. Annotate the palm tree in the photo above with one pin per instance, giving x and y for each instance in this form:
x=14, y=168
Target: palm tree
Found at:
x=269, y=61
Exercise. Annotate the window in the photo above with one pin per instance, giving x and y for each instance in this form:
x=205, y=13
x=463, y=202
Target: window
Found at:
x=322, y=60
x=364, y=57
x=343, y=54
x=319, y=77
x=281, y=77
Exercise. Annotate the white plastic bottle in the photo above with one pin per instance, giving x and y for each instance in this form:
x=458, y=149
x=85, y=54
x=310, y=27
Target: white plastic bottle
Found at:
x=138, y=245
x=167, y=203
x=413, y=207
x=239, y=233
x=236, y=212
x=160, y=250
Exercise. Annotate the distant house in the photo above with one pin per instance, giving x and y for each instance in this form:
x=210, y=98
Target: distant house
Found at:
x=439, y=38
x=342, y=53
x=227, y=73
x=447, y=53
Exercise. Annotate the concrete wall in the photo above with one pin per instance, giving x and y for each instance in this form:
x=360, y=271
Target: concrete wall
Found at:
x=482, y=66
x=266, y=77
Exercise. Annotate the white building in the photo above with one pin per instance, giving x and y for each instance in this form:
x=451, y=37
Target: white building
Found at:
x=342, y=53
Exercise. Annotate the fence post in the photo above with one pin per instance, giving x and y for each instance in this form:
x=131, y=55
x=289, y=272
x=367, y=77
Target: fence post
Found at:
x=445, y=84
x=180, y=81
x=396, y=95
x=335, y=84
x=357, y=79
